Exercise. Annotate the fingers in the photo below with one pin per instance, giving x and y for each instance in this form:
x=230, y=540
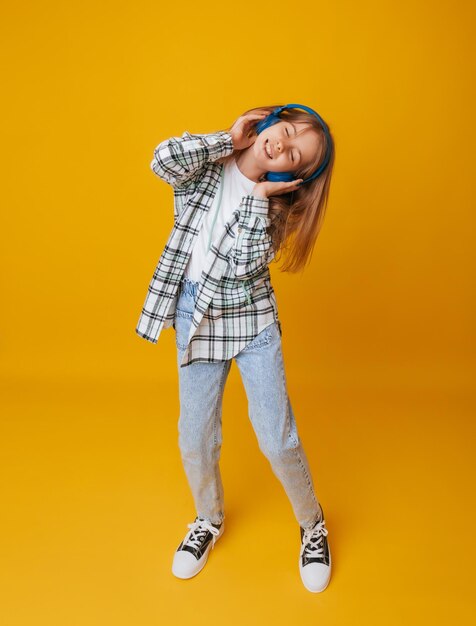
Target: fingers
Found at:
x=292, y=185
x=276, y=189
x=256, y=116
x=251, y=119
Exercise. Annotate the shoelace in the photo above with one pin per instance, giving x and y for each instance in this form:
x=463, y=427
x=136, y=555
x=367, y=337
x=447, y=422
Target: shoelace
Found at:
x=198, y=530
x=313, y=540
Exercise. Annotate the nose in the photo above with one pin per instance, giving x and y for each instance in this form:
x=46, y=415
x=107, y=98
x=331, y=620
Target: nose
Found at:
x=279, y=145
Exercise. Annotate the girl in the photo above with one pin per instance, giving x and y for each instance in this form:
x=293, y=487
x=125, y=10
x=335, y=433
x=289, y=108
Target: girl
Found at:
x=240, y=195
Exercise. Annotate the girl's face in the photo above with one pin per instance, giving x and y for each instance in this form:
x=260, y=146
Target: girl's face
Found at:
x=285, y=146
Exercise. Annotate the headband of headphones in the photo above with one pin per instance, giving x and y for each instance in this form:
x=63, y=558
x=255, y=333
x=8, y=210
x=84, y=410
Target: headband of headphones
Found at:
x=273, y=118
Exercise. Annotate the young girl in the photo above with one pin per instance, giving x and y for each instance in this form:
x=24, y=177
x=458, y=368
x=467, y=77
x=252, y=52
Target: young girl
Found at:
x=239, y=196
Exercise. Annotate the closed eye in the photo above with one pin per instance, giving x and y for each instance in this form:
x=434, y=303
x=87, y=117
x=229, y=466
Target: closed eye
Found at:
x=292, y=158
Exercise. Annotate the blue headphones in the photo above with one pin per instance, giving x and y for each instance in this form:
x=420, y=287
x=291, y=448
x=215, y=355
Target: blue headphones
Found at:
x=273, y=118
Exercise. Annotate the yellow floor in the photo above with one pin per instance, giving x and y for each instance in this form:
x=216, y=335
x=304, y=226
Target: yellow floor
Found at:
x=379, y=325
x=95, y=502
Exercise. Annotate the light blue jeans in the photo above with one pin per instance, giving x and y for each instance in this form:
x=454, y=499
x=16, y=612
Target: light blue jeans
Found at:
x=201, y=387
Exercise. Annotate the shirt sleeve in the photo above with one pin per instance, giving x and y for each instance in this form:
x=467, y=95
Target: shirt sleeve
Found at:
x=252, y=249
x=178, y=160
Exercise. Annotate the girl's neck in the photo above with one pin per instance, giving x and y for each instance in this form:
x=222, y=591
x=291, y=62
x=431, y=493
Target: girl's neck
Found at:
x=247, y=165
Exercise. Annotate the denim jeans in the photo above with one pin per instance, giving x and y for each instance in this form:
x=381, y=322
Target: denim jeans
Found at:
x=201, y=387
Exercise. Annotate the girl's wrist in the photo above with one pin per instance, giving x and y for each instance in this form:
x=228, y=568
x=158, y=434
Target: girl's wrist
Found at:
x=260, y=191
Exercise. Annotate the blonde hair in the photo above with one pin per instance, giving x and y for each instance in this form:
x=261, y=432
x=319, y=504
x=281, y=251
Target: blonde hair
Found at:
x=297, y=217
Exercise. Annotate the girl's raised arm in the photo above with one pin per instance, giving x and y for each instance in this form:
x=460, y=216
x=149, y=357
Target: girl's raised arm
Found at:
x=252, y=249
x=178, y=160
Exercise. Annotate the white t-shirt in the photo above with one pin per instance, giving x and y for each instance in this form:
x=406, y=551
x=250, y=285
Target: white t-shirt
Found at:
x=235, y=186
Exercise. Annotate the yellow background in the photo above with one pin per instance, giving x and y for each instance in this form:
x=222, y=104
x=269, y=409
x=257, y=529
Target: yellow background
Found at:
x=378, y=332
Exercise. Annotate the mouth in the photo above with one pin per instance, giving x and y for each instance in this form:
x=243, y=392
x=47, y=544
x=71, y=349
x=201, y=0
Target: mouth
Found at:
x=267, y=149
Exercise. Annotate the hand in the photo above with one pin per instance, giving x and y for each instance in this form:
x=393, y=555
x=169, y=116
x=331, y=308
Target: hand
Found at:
x=242, y=132
x=267, y=188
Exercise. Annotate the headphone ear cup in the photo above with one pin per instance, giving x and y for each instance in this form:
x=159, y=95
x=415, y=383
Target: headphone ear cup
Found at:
x=269, y=120
x=279, y=177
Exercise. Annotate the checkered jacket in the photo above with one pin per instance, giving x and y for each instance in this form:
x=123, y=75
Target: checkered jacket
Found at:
x=235, y=299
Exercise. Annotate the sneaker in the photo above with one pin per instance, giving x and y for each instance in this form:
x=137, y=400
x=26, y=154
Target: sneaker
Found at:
x=192, y=554
x=315, y=557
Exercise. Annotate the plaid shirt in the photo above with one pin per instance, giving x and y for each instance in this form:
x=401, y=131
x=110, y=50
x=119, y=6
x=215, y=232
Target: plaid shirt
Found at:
x=235, y=299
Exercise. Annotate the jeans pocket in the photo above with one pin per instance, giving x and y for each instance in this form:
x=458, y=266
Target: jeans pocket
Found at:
x=261, y=340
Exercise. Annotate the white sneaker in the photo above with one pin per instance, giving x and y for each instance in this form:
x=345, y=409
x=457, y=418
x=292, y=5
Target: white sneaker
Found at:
x=192, y=554
x=315, y=557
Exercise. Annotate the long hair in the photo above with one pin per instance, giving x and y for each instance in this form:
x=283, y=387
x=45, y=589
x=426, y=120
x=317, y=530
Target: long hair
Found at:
x=297, y=217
